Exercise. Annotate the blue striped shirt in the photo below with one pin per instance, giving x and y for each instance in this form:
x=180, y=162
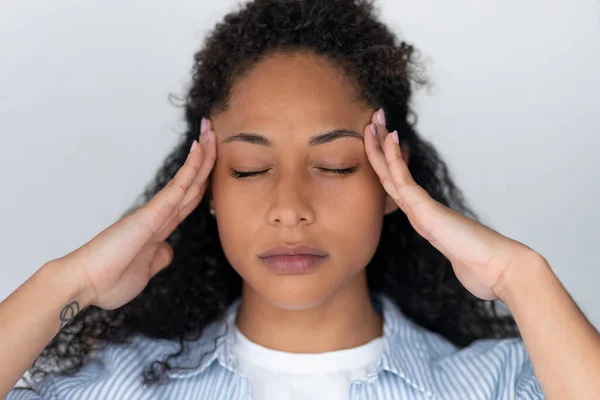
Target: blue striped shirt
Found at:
x=415, y=364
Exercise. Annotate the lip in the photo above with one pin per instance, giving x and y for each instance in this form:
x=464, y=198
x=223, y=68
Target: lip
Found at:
x=293, y=259
x=294, y=250
x=292, y=264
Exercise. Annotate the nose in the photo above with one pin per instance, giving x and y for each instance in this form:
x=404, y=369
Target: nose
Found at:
x=291, y=206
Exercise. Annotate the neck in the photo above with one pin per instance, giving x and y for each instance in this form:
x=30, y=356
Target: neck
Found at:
x=345, y=320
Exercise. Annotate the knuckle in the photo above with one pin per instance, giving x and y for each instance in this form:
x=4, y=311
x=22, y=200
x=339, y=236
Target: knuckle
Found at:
x=401, y=201
x=175, y=183
x=384, y=179
x=148, y=214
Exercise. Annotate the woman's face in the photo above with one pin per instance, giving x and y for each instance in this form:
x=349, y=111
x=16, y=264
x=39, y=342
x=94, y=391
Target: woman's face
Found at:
x=287, y=100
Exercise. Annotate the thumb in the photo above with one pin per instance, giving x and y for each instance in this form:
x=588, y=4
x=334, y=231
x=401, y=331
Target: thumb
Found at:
x=163, y=255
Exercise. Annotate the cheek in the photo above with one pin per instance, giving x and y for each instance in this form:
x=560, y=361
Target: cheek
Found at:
x=356, y=196
x=236, y=214
x=356, y=215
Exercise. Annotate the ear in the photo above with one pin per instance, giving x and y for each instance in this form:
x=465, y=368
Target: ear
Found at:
x=390, y=204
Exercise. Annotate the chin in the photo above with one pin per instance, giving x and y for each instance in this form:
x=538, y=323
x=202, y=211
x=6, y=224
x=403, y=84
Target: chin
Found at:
x=296, y=294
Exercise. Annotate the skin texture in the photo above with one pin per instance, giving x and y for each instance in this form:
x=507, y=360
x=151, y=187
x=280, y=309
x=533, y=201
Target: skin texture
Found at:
x=173, y=242
x=311, y=307
x=190, y=282
x=306, y=313
x=288, y=99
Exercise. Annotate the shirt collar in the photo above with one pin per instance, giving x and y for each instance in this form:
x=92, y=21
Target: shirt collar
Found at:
x=405, y=353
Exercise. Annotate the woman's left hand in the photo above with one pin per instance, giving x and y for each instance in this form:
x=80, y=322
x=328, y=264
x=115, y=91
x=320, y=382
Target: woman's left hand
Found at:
x=480, y=256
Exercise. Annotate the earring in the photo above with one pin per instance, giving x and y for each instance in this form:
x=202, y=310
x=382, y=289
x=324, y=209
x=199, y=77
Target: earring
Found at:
x=212, y=212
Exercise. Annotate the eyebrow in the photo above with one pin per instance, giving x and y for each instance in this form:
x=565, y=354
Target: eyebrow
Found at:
x=321, y=138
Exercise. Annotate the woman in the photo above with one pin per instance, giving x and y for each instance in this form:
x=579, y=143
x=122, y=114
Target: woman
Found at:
x=302, y=241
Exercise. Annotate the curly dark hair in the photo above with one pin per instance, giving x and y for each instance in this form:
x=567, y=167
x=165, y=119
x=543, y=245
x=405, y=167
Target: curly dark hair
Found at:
x=198, y=286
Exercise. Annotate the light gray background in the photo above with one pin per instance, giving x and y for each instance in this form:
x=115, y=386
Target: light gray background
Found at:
x=85, y=121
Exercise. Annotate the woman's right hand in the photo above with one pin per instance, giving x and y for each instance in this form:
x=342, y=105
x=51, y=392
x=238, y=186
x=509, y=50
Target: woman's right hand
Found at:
x=117, y=264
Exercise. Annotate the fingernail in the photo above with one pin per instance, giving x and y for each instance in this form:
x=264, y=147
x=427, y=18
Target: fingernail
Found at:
x=203, y=125
x=395, y=137
x=194, y=144
x=381, y=116
x=373, y=128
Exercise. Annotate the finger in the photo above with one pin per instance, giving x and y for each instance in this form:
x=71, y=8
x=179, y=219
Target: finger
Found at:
x=166, y=204
x=376, y=157
x=410, y=193
x=208, y=145
x=421, y=209
x=378, y=119
x=162, y=258
x=377, y=160
x=195, y=193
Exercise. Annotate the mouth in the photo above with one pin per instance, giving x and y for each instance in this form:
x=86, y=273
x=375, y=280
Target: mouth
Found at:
x=292, y=264
x=293, y=259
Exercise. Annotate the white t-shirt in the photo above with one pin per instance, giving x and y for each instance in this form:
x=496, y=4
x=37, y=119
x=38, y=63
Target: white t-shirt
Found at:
x=278, y=375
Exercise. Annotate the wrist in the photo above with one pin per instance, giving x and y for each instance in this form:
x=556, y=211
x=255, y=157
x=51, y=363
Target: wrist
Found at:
x=69, y=279
x=521, y=280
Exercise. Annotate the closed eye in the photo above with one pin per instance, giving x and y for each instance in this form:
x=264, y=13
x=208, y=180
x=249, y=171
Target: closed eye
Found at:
x=241, y=175
x=342, y=171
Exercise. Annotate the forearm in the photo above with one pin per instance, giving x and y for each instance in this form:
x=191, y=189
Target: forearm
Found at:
x=563, y=346
x=31, y=316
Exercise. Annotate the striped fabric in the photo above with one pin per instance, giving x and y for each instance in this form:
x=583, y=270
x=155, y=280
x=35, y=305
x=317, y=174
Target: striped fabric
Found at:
x=415, y=364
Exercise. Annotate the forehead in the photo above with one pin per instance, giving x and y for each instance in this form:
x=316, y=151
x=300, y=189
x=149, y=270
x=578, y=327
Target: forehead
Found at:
x=298, y=90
